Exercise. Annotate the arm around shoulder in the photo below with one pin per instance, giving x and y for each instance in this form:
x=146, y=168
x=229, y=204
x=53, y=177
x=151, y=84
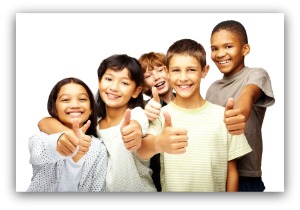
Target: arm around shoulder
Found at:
x=51, y=125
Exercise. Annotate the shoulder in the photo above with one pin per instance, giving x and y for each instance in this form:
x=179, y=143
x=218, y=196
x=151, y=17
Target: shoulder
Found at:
x=137, y=109
x=215, y=107
x=43, y=136
x=257, y=72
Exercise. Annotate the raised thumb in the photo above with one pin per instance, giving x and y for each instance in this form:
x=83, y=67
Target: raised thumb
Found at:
x=155, y=95
x=168, y=122
x=229, y=104
x=126, y=119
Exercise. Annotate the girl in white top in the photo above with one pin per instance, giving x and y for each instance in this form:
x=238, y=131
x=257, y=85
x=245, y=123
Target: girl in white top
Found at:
x=122, y=123
x=72, y=103
x=119, y=96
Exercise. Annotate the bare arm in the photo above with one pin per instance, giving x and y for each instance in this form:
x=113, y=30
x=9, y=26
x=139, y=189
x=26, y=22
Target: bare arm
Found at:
x=148, y=149
x=236, y=116
x=232, y=182
x=51, y=125
x=171, y=140
x=249, y=95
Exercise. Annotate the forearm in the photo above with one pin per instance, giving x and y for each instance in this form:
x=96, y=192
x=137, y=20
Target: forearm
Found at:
x=232, y=183
x=42, y=149
x=249, y=95
x=51, y=125
x=148, y=147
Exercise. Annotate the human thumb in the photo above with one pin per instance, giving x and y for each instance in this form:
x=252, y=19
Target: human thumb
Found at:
x=155, y=95
x=229, y=104
x=126, y=119
x=168, y=122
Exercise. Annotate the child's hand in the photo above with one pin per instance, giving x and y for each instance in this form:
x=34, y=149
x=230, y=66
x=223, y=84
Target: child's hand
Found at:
x=172, y=140
x=68, y=142
x=234, y=119
x=131, y=132
x=152, y=108
x=85, y=140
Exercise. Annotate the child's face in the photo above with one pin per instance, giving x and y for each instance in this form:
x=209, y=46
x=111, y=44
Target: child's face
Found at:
x=116, y=88
x=157, y=78
x=227, y=52
x=185, y=75
x=73, y=102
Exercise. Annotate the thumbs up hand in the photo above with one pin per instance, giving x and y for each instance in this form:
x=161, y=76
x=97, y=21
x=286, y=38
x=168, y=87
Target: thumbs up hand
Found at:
x=234, y=119
x=172, y=140
x=85, y=140
x=68, y=142
x=153, y=107
x=131, y=132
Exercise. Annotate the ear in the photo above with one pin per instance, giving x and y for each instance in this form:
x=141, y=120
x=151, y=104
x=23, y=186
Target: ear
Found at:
x=205, y=71
x=137, y=91
x=246, y=49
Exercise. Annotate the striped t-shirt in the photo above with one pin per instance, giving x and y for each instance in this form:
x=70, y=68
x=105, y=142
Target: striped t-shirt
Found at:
x=203, y=168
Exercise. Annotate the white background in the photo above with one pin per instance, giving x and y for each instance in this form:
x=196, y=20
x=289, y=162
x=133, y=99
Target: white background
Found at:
x=82, y=52
x=53, y=46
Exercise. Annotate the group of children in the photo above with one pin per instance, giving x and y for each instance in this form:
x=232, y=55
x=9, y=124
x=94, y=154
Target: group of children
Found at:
x=178, y=141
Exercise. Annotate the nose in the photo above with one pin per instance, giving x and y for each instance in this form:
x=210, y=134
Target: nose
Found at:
x=74, y=103
x=220, y=53
x=183, y=76
x=114, y=86
x=155, y=75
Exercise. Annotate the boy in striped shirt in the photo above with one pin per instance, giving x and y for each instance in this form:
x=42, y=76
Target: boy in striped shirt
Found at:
x=198, y=154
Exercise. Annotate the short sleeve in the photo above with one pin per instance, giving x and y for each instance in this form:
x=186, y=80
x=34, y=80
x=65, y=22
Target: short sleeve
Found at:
x=261, y=79
x=138, y=114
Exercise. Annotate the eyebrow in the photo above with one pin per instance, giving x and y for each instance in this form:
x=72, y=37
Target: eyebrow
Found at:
x=127, y=78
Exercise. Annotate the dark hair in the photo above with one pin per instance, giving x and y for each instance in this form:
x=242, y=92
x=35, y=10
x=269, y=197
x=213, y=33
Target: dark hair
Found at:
x=92, y=130
x=187, y=47
x=118, y=63
x=234, y=27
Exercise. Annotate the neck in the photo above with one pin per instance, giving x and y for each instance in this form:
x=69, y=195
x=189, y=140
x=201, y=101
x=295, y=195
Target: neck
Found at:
x=168, y=96
x=189, y=103
x=113, y=117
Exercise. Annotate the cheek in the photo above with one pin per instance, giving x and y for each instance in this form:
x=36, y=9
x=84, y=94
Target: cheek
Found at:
x=59, y=109
x=171, y=82
x=148, y=83
x=212, y=55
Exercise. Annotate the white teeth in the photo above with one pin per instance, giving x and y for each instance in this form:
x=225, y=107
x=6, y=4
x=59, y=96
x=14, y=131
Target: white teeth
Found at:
x=223, y=62
x=184, y=86
x=112, y=96
x=159, y=84
x=75, y=114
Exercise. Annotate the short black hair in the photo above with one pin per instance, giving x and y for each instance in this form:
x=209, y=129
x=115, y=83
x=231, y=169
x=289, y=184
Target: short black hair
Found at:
x=234, y=27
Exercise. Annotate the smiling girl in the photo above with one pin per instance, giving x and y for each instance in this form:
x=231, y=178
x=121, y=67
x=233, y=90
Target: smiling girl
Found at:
x=72, y=103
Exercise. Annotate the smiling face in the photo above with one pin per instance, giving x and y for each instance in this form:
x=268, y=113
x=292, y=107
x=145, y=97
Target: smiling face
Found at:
x=227, y=52
x=185, y=75
x=72, y=102
x=158, y=77
x=116, y=88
